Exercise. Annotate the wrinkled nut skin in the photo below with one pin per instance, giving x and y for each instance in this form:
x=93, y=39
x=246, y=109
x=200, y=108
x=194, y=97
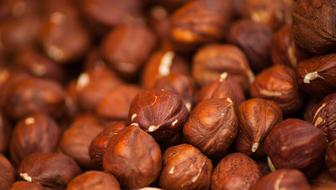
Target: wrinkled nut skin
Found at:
x=35, y=95
x=63, y=38
x=330, y=158
x=185, y=168
x=255, y=40
x=94, y=180
x=256, y=119
x=115, y=48
x=7, y=173
x=284, y=49
x=323, y=182
x=212, y=126
x=115, y=105
x=317, y=75
x=162, y=63
x=278, y=83
x=324, y=116
x=5, y=133
x=99, y=144
x=213, y=60
x=236, y=171
x=311, y=30
x=76, y=139
x=133, y=157
x=271, y=13
x=53, y=170
x=161, y=113
x=294, y=143
x=179, y=83
x=21, y=185
x=198, y=22
x=283, y=179
x=225, y=87
x=35, y=133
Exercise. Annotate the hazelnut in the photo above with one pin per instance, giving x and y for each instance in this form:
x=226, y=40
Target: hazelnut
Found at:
x=35, y=95
x=185, y=167
x=115, y=105
x=63, y=38
x=214, y=60
x=35, y=133
x=159, y=112
x=311, y=20
x=5, y=133
x=294, y=143
x=53, y=170
x=200, y=21
x=22, y=185
x=284, y=49
x=323, y=116
x=235, y=171
x=317, y=75
x=256, y=119
x=330, y=158
x=323, y=182
x=212, y=126
x=133, y=157
x=255, y=40
x=278, y=83
x=115, y=47
x=76, y=139
x=162, y=63
x=99, y=144
x=282, y=179
x=94, y=180
x=7, y=173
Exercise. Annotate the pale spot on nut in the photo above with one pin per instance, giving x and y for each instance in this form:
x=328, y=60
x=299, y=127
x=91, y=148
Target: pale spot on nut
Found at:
x=172, y=170
x=57, y=17
x=277, y=182
x=134, y=124
x=133, y=116
x=194, y=179
x=229, y=100
x=260, y=16
x=318, y=111
x=318, y=121
x=269, y=93
x=29, y=121
x=270, y=164
x=291, y=54
x=3, y=75
x=311, y=76
x=174, y=122
x=55, y=52
x=223, y=76
x=188, y=106
x=251, y=76
x=153, y=128
x=83, y=80
x=254, y=147
x=283, y=148
x=26, y=177
x=166, y=63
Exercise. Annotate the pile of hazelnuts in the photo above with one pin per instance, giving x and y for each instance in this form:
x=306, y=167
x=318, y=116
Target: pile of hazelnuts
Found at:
x=167, y=95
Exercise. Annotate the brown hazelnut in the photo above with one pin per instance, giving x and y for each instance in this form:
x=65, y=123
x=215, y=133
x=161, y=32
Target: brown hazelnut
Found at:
x=323, y=182
x=161, y=64
x=185, y=168
x=115, y=105
x=283, y=179
x=317, y=75
x=272, y=13
x=211, y=61
x=256, y=119
x=161, y=113
x=133, y=157
x=7, y=173
x=63, y=37
x=5, y=133
x=199, y=22
x=235, y=171
x=224, y=87
x=99, y=144
x=284, y=49
x=76, y=139
x=255, y=40
x=212, y=126
x=179, y=83
x=278, y=83
x=324, y=115
x=312, y=27
x=94, y=180
x=115, y=47
x=294, y=143
x=330, y=158
x=22, y=185
x=35, y=95
x=35, y=133
x=53, y=170
x=93, y=85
